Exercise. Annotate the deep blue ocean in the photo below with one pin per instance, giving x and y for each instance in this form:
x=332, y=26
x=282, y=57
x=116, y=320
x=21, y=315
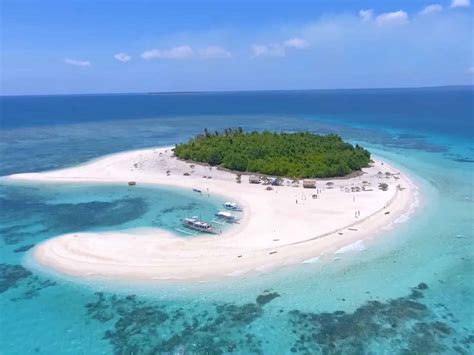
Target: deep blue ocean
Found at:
x=410, y=291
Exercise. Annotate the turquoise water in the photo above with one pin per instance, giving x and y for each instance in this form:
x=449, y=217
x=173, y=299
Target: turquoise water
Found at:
x=410, y=291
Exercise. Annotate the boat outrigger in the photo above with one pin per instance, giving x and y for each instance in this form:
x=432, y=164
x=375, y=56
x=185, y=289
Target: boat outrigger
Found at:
x=226, y=216
x=197, y=224
x=232, y=206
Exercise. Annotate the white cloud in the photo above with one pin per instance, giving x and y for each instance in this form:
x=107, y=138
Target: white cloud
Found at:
x=181, y=52
x=296, y=43
x=272, y=50
x=366, y=15
x=471, y=70
x=431, y=9
x=214, y=52
x=392, y=18
x=460, y=3
x=122, y=57
x=78, y=63
x=278, y=49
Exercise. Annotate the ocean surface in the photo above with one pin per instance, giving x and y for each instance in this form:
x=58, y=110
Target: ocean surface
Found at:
x=409, y=290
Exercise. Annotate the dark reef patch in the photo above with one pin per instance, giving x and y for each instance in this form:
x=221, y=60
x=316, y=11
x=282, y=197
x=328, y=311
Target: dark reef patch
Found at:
x=403, y=323
x=146, y=327
x=98, y=214
x=34, y=285
x=459, y=158
x=188, y=207
x=463, y=160
x=24, y=248
x=33, y=207
x=11, y=275
x=14, y=237
x=266, y=297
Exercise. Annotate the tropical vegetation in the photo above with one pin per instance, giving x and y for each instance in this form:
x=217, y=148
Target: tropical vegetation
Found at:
x=295, y=155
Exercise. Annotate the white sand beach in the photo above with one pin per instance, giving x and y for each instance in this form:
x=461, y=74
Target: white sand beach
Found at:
x=279, y=227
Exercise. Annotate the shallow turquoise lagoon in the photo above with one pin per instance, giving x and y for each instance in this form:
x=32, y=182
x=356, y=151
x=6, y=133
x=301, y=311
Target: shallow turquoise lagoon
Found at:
x=409, y=290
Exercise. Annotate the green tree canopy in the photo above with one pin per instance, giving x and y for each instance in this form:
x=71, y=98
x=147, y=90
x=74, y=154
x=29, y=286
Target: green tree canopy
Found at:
x=296, y=155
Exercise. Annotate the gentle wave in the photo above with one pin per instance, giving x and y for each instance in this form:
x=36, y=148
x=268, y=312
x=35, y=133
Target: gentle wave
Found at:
x=357, y=246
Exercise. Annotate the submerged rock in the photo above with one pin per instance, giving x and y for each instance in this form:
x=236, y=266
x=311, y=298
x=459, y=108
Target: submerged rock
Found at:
x=24, y=248
x=10, y=275
x=266, y=298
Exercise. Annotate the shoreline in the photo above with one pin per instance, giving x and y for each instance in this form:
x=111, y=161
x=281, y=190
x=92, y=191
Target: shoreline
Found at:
x=275, y=231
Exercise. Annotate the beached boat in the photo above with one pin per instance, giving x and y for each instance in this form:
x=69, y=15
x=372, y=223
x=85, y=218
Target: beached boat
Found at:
x=226, y=216
x=232, y=206
x=197, y=224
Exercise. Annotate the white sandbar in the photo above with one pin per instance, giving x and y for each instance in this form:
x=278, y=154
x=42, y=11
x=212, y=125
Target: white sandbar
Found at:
x=275, y=230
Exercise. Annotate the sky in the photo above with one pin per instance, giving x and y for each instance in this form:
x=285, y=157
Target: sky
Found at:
x=98, y=46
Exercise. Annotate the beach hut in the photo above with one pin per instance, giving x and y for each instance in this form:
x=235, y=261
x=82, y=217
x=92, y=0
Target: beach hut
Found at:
x=254, y=179
x=330, y=185
x=309, y=184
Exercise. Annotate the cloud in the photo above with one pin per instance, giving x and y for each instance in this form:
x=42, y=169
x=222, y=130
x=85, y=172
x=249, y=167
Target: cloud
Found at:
x=122, y=57
x=214, y=52
x=278, y=49
x=431, y=9
x=272, y=50
x=470, y=70
x=366, y=15
x=460, y=3
x=78, y=63
x=392, y=18
x=181, y=52
x=296, y=43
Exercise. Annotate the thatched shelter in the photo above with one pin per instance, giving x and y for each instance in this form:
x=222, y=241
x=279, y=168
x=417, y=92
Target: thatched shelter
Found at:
x=254, y=179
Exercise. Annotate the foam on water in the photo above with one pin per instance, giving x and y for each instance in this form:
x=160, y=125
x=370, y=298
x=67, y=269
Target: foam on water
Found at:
x=354, y=247
x=311, y=261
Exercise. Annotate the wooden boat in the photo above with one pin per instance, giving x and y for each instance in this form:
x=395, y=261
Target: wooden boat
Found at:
x=232, y=206
x=226, y=216
x=197, y=224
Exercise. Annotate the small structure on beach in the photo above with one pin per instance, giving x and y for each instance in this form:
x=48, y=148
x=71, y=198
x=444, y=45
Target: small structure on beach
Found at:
x=330, y=185
x=309, y=184
x=254, y=179
x=277, y=181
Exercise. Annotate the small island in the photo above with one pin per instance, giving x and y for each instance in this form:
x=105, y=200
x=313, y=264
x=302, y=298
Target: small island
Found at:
x=295, y=155
x=294, y=217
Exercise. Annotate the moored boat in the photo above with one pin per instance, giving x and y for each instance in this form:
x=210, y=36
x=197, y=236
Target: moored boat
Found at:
x=226, y=216
x=232, y=206
x=197, y=224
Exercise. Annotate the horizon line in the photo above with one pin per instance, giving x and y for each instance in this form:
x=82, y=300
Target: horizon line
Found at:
x=185, y=92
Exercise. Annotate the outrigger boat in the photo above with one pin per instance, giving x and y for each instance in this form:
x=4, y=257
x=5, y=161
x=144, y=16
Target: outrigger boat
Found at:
x=232, y=206
x=226, y=216
x=196, y=224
